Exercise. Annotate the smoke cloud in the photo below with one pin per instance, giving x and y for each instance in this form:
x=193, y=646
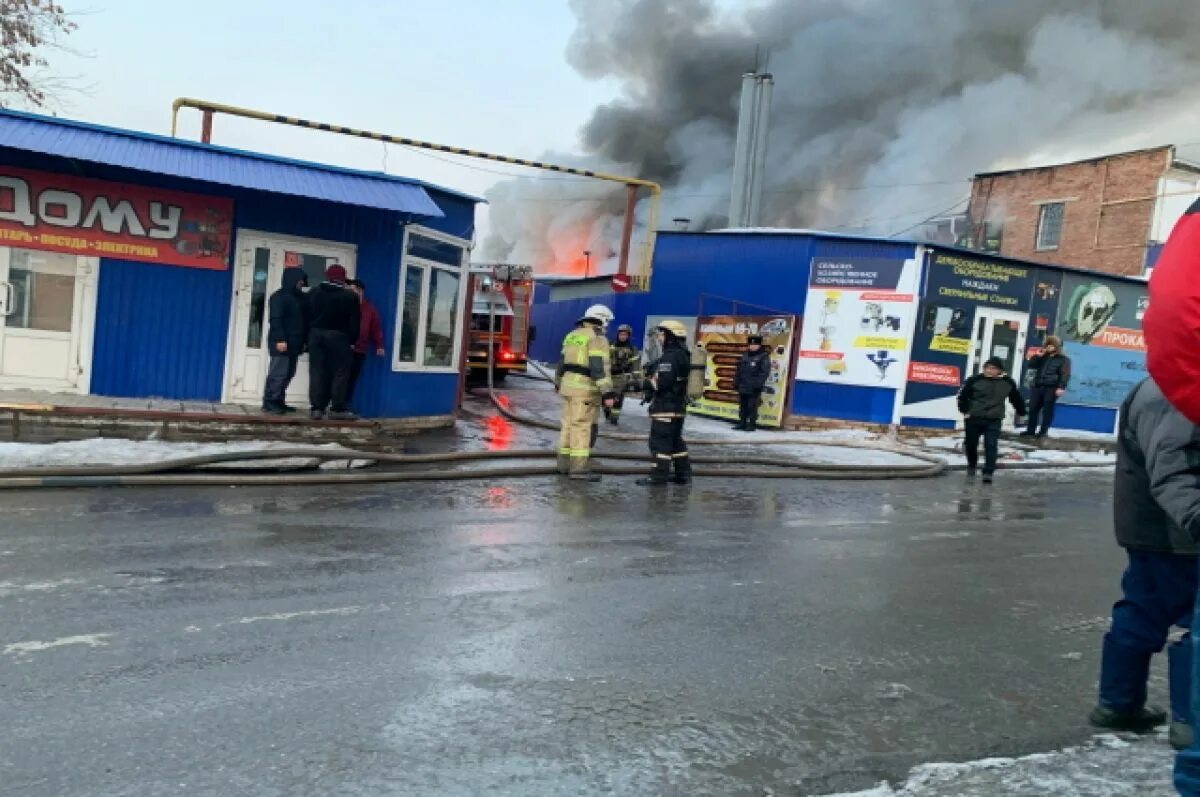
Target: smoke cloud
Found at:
x=882, y=109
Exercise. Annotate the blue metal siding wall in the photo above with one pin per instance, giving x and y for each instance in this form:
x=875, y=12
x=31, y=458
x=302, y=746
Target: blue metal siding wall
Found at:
x=160, y=331
x=844, y=402
x=1086, y=419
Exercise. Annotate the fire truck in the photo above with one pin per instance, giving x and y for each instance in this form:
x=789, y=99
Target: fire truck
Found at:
x=503, y=296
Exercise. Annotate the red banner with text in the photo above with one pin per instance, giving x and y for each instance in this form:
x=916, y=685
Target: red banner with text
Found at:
x=97, y=218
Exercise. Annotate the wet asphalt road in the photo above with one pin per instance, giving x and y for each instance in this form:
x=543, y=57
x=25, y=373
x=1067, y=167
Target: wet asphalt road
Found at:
x=538, y=639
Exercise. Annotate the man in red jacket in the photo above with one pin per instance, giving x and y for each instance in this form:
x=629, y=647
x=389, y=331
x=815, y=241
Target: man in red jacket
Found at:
x=370, y=334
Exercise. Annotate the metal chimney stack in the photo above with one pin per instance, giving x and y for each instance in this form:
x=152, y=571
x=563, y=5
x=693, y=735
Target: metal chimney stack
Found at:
x=750, y=153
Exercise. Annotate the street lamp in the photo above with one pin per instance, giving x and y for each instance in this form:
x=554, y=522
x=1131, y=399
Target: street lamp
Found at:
x=587, y=255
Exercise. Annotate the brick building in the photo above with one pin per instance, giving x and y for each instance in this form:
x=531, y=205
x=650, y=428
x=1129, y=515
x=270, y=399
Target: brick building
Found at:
x=1109, y=214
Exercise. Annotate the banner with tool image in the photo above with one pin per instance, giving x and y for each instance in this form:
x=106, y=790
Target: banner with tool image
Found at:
x=858, y=319
x=724, y=340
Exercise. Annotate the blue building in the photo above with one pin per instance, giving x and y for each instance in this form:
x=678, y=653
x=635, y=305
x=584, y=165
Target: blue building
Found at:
x=136, y=265
x=890, y=329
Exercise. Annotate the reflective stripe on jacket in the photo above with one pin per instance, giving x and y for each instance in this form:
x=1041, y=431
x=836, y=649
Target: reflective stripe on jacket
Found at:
x=584, y=369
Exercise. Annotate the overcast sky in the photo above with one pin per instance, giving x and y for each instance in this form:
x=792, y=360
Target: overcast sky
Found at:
x=485, y=74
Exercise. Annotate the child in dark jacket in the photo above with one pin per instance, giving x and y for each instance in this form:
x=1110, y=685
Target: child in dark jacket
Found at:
x=981, y=401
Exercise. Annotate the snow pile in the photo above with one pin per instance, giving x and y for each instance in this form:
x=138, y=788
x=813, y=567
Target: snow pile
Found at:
x=111, y=451
x=1105, y=767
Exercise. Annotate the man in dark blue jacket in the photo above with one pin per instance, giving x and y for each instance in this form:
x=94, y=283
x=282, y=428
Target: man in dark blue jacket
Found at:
x=753, y=370
x=1156, y=513
x=981, y=401
x=287, y=312
x=1051, y=376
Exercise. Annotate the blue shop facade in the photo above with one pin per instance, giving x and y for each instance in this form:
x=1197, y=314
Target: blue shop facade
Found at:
x=888, y=330
x=139, y=266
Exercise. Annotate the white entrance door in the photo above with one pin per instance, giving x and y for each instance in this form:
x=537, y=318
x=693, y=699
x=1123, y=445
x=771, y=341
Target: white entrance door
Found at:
x=261, y=259
x=47, y=315
x=1001, y=334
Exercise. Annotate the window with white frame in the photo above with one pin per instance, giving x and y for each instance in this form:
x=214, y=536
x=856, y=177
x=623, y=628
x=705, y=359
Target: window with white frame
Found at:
x=1050, y=224
x=430, y=303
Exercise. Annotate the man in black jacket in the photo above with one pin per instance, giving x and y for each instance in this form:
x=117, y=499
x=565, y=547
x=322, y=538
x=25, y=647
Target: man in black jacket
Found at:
x=668, y=379
x=981, y=400
x=753, y=370
x=1052, y=374
x=287, y=312
x=1156, y=514
x=335, y=320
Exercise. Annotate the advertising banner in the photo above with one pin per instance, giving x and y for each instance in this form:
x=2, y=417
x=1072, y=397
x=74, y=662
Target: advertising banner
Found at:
x=958, y=280
x=96, y=218
x=1100, y=324
x=857, y=321
x=724, y=339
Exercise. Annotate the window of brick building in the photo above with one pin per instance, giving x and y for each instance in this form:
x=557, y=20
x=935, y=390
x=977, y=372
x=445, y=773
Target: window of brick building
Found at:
x=1050, y=224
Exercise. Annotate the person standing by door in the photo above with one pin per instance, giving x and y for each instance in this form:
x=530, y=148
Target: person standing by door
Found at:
x=981, y=401
x=288, y=331
x=370, y=334
x=336, y=321
x=1051, y=375
x=753, y=370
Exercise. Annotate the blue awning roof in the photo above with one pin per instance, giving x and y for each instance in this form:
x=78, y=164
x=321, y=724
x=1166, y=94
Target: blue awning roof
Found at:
x=222, y=165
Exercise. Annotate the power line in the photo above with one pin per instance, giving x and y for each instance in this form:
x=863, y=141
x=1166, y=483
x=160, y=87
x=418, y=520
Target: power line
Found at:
x=931, y=218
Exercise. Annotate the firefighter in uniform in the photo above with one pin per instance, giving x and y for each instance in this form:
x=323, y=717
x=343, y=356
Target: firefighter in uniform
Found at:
x=624, y=357
x=668, y=394
x=584, y=379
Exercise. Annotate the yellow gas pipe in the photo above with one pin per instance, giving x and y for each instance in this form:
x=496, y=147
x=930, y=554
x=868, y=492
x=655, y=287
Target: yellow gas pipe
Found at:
x=642, y=280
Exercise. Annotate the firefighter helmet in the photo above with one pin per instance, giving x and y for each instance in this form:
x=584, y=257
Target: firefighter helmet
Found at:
x=598, y=313
x=625, y=328
x=674, y=327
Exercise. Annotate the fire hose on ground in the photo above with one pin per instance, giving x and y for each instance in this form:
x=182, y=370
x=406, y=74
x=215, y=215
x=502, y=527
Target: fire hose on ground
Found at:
x=186, y=471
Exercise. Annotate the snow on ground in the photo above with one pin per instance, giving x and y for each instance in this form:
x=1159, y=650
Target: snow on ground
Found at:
x=1020, y=453
x=112, y=451
x=1107, y=766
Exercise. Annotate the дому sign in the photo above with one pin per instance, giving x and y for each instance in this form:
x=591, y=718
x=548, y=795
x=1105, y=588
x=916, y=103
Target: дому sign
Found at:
x=97, y=218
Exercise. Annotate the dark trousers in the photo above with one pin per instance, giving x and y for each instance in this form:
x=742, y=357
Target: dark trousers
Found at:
x=667, y=447
x=1187, y=763
x=1041, y=402
x=620, y=385
x=279, y=376
x=356, y=367
x=329, y=364
x=748, y=407
x=989, y=430
x=1158, y=591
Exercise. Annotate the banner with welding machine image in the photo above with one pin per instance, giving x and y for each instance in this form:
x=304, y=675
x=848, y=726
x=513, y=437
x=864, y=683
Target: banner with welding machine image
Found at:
x=724, y=340
x=858, y=319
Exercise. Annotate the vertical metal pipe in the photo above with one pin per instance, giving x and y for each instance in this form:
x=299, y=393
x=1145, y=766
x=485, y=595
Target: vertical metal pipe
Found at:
x=758, y=168
x=206, y=127
x=627, y=230
x=742, y=151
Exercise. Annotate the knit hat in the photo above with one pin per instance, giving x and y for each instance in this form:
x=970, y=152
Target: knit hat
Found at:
x=336, y=273
x=995, y=362
x=754, y=339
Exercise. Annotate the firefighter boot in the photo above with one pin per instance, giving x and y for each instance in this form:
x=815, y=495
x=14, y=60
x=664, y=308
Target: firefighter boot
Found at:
x=581, y=470
x=683, y=470
x=564, y=464
x=661, y=475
